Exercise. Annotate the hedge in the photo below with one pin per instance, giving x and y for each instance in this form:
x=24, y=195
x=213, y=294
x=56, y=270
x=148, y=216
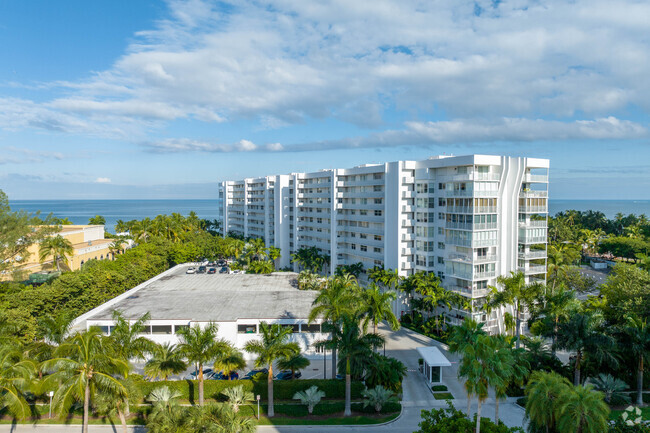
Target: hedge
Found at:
x=329, y=408
x=282, y=389
x=437, y=388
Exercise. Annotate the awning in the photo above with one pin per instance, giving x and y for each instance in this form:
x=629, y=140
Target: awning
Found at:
x=433, y=357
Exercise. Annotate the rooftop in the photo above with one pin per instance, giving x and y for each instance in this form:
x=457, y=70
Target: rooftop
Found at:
x=215, y=297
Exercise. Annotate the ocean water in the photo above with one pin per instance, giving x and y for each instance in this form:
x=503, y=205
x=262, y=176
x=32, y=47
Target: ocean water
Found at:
x=79, y=211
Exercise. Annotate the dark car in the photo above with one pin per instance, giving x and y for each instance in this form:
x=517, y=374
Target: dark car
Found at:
x=221, y=263
x=201, y=270
x=223, y=270
x=216, y=375
x=233, y=376
x=212, y=271
x=194, y=375
x=286, y=375
x=252, y=373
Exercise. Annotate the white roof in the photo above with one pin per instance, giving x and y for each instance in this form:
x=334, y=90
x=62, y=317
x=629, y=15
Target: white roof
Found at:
x=433, y=356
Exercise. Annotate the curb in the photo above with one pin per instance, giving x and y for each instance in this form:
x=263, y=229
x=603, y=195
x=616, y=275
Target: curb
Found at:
x=303, y=427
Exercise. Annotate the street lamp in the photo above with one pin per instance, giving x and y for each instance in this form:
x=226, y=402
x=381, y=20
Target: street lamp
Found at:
x=51, y=394
x=258, y=407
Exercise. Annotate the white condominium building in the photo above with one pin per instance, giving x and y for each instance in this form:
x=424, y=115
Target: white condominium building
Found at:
x=468, y=219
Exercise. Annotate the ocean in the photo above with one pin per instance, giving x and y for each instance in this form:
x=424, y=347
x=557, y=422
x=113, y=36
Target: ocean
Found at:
x=79, y=211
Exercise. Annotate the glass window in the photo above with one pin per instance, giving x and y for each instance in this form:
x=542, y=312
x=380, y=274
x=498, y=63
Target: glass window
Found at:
x=313, y=329
x=247, y=329
x=178, y=328
x=161, y=329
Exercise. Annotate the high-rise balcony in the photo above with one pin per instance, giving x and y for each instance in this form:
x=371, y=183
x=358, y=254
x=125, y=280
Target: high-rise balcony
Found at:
x=533, y=209
x=532, y=270
x=533, y=194
x=472, y=176
x=537, y=178
x=530, y=255
x=530, y=240
x=533, y=224
x=471, y=209
x=469, y=292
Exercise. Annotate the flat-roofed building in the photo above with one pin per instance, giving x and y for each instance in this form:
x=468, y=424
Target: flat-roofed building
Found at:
x=468, y=219
x=237, y=303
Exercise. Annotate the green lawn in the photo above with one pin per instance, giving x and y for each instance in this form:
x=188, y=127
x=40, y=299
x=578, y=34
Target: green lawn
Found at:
x=443, y=396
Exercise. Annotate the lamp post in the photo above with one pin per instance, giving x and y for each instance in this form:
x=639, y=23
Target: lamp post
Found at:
x=51, y=394
x=324, y=363
x=258, y=407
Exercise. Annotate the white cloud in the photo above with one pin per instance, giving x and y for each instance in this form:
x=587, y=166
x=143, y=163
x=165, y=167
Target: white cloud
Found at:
x=103, y=180
x=246, y=146
x=275, y=147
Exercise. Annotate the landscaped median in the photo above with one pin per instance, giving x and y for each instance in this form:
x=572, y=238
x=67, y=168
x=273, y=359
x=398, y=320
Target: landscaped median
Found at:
x=288, y=411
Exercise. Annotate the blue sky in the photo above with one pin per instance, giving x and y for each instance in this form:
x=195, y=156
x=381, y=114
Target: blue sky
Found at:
x=150, y=99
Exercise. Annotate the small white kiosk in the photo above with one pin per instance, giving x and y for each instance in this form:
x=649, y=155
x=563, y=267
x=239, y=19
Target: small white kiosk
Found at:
x=434, y=360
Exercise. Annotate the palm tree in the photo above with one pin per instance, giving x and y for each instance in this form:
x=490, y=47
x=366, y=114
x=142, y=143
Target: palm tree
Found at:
x=560, y=258
x=516, y=293
x=611, y=387
x=57, y=247
x=200, y=345
x=352, y=344
x=272, y=347
x=293, y=363
x=582, y=334
x=557, y=304
x=637, y=340
x=166, y=360
x=515, y=370
x=256, y=250
x=121, y=226
x=166, y=415
x=83, y=367
x=129, y=344
x=582, y=410
x=117, y=404
x=142, y=230
x=310, y=397
x=115, y=247
x=542, y=392
x=16, y=374
x=378, y=397
x=338, y=297
x=220, y=418
x=460, y=339
x=376, y=306
x=237, y=397
x=274, y=253
x=55, y=328
x=229, y=361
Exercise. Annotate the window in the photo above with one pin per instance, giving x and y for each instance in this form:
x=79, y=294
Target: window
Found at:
x=378, y=201
x=377, y=250
x=377, y=237
x=312, y=329
x=377, y=188
x=441, y=245
x=378, y=213
x=441, y=260
x=178, y=328
x=363, y=248
x=161, y=329
x=294, y=328
x=247, y=329
x=103, y=329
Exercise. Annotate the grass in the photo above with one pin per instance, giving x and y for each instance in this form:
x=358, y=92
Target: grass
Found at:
x=616, y=413
x=443, y=396
x=350, y=420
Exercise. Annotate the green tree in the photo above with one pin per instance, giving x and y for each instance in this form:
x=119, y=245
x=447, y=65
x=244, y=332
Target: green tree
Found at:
x=376, y=306
x=636, y=339
x=385, y=371
x=229, y=361
x=272, y=347
x=513, y=369
x=310, y=397
x=582, y=410
x=310, y=258
x=237, y=397
x=200, y=345
x=627, y=290
x=611, y=387
x=553, y=306
x=256, y=250
x=55, y=328
x=166, y=360
x=117, y=404
x=543, y=392
x=352, y=344
x=514, y=292
x=16, y=378
x=83, y=368
x=97, y=220
x=460, y=340
x=294, y=362
x=129, y=342
x=57, y=247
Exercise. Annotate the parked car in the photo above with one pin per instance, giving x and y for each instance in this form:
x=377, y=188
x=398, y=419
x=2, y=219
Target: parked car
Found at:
x=233, y=376
x=340, y=377
x=286, y=375
x=221, y=263
x=252, y=373
x=201, y=270
x=223, y=270
x=216, y=375
x=212, y=271
x=194, y=375
x=190, y=271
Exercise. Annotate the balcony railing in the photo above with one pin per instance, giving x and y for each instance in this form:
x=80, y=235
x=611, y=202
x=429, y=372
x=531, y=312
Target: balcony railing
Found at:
x=532, y=254
x=471, y=209
x=533, y=194
x=535, y=177
x=472, y=176
x=468, y=291
x=475, y=243
x=532, y=239
x=533, y=224
x=533, y=209
x=531, y=270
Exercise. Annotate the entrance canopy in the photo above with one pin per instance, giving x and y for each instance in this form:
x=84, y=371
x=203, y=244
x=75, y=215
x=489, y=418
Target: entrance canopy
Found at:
x=433, y=357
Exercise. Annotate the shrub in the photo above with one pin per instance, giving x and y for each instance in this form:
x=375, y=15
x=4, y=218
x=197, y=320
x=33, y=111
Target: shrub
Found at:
x=387, y=408
x=451, y=420
x=438, y=388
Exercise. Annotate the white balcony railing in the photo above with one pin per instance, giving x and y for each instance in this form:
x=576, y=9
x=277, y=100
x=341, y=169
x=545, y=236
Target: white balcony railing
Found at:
x=535, y=177
x=532, y=239
x=533, y=224
x=533, y=194
x=531, y=270
x=532, y=254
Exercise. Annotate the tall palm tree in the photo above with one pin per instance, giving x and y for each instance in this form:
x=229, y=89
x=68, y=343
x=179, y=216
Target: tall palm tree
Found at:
x=273, y=346
x=515, y=369
x=514, y=292
x=16, y=375
x=83, y=367
x=121, y=226
x=542, y=392
x=582, y=410
x=376, y=306
x=129, y=344
x=584, y=335
x=352, y=344
x=229, y=361
x=166, y=360
x=560, y=258
x=142, y=230
x=637, y=340
x=555, y=304
x=340, y=295
x=57, y=247
x=460, y=339
x=293, y=363
x=115, y=247
x=200, y=345
x=55, y=328
x=256, y=250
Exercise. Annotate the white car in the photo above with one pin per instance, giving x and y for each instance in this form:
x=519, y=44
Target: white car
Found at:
x=190, y=271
